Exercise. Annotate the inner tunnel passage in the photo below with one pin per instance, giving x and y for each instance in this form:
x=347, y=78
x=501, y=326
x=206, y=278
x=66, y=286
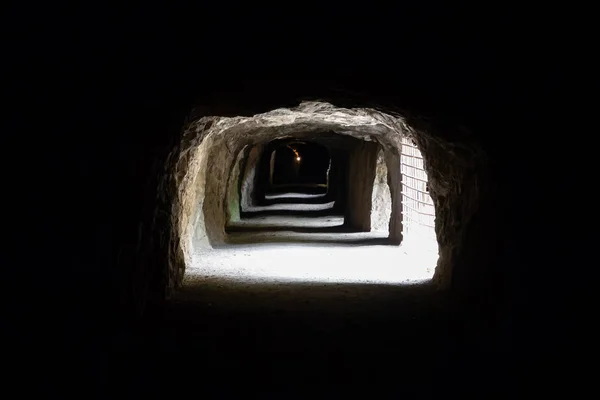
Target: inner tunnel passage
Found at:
x=319, y=197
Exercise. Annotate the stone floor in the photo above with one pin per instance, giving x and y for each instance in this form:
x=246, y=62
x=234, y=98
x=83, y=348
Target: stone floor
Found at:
x=297, y=307
x=268, y=252
x=311, y=271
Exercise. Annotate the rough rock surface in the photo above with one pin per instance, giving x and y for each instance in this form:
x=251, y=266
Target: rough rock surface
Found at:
x=249, y=180
x=199, y=166
x=360, y=178
x=233, y=188
x=381, y=200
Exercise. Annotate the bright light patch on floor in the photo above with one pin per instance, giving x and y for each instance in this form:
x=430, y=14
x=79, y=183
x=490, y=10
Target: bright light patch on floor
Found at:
x=313, y=263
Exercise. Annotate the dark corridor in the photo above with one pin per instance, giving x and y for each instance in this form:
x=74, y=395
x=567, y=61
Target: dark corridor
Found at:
x=300, y=163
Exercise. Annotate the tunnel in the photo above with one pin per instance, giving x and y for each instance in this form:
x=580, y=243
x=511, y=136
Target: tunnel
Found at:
x=210, y=217
x=348, y=184
x=242, y=256
x=395, y=216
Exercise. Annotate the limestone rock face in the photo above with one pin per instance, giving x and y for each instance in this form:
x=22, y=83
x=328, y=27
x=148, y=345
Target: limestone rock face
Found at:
x=360, y=179
x=249, y=179
x=232, y=199
x=381, y=200
x=197, y=176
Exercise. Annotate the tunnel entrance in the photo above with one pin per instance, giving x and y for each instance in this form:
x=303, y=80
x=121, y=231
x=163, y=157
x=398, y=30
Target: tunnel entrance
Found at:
x=293, y=201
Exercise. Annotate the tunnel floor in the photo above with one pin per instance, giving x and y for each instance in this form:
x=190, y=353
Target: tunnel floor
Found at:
x=313, y=261
x=289, y=243
x=296, y=303
x=302, y=302
x=280, y=336
x=295, y=338
x=290, y=316
x=264, y=252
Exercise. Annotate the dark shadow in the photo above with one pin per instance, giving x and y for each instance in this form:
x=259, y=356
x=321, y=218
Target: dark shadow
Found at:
x=315, y=213
x=294, y=292
x=299, y=163
x=278, y=228
x=325, y=240
x=292, y=187
x=318, y=199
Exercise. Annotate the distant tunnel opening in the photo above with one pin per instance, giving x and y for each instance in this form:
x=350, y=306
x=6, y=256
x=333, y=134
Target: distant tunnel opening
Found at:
x=298, y=164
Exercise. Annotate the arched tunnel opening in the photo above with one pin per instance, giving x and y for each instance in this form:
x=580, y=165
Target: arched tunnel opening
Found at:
x=404, y=224
x=314, y=193
x=296, y=172
x=250, y=277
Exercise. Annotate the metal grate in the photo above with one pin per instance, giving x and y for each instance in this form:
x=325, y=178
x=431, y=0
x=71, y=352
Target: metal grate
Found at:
x=417, y=206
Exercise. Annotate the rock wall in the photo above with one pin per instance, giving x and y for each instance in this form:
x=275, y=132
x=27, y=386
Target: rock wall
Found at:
x=249, y=182
x=336, y=190
x=360, y=177
x=381, y=198
x=233, y=197
x=272, y=166
x=458, y=179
